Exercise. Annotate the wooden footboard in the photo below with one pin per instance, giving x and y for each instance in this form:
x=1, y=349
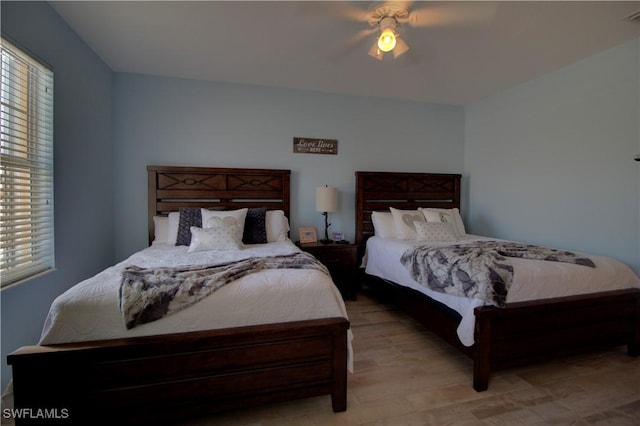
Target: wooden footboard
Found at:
x=540, y=330
x=160, y=378
x=527, y=332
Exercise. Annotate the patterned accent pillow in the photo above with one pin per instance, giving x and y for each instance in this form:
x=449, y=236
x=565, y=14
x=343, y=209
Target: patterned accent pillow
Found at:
x=440, y=216
x=255, y=226
x=223, y=236
x=239, y=216
x=450, y=216
x=434, y=231
x=189, y=217
x=404, y=222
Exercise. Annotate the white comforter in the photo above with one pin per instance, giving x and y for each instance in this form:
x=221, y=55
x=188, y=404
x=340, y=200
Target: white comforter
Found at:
x=89, y=310
x=532, y=279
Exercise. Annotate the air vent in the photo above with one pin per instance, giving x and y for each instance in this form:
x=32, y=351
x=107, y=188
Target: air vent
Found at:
x=634, y=17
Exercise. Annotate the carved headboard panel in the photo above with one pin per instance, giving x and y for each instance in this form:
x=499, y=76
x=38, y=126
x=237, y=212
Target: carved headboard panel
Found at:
x=223, y=188
x=377, y=191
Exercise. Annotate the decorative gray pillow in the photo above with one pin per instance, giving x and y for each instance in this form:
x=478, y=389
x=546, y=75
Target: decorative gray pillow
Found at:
x=255, y=226
x=189, y=217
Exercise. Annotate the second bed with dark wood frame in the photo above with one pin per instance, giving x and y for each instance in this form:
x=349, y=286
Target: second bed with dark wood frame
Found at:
x=165, y=377
x=520, y=333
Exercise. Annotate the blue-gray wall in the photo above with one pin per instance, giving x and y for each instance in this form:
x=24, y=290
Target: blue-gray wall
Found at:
x=83, y=169
x=551, y=161
x=167, y=121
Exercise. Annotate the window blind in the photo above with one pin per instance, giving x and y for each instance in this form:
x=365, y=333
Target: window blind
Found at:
x=26, y=166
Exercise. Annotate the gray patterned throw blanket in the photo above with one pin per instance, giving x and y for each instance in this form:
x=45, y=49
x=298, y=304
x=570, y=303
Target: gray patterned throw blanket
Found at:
x=148, y=294
x=479, y=269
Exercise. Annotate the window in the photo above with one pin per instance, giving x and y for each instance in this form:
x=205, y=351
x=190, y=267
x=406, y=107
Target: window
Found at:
x=26, y=166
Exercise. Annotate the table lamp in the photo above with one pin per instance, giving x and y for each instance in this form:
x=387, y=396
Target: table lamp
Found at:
x=326, y=202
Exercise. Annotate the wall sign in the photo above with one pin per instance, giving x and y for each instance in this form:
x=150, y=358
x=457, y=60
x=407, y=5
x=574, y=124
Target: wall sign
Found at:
x=315, y=146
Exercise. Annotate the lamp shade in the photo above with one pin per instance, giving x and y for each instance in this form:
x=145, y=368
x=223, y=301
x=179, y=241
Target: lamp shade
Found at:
x=326, y=199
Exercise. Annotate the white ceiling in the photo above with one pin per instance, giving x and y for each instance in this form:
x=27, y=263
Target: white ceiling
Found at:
x=460, y=51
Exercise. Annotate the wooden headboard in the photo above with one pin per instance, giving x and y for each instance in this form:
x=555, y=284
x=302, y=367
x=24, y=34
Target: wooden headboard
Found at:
x=377, y=191
x=219, y=188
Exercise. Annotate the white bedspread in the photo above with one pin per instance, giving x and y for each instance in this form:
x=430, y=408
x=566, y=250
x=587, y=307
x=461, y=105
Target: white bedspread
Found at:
x=89, y=310
x=532, y=279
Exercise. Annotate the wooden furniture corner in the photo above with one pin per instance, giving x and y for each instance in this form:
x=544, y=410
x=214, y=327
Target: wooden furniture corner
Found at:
x=342, y=262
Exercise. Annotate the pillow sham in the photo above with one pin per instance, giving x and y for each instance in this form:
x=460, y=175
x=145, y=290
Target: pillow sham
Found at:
x=277, y=226
x=434, y=231
x=222, y=235
x=239, y=215
x=451, y=216
x=174, y=221
x=160, y=229
x=404, y=222
x=255, y=226
x=189, y=216
x=383, y=225
x=431, y=216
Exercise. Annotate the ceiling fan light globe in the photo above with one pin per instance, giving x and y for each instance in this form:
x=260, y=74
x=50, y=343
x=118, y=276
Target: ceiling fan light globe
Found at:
x=387, y=40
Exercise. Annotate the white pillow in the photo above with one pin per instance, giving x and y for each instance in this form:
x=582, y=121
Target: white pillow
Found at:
x=277, y=226
x=239, y=215
x=174, y=224
x=451, y=216
x=221, y=236
x=383, y=225
x=431, y=216
x=403, y=221
x=434, y=231
x=161, y=229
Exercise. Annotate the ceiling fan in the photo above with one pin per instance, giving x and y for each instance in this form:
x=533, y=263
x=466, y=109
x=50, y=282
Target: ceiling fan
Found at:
x=387, y=19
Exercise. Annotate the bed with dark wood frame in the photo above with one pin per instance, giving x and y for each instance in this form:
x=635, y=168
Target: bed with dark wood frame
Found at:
x=166, y=377
x=520, y=333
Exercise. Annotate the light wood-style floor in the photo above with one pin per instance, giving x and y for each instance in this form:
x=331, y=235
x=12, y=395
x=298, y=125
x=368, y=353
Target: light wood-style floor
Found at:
x=404, y=375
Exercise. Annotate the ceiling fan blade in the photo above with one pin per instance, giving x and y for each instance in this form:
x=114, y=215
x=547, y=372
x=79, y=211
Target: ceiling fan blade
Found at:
x=452, y=13
x=323, y=10
x=352, y=43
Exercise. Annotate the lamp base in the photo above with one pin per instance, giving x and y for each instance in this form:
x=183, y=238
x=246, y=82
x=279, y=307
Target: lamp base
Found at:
x=326, y=239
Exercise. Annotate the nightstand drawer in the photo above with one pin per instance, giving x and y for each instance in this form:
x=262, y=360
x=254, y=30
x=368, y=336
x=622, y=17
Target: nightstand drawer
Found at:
x=347, y=257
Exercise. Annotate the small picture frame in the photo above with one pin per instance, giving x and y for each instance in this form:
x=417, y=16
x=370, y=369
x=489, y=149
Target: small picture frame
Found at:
x=307, y=235
x=338, y=236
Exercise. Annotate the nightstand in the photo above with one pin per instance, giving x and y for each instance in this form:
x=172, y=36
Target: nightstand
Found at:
x=341, y=260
